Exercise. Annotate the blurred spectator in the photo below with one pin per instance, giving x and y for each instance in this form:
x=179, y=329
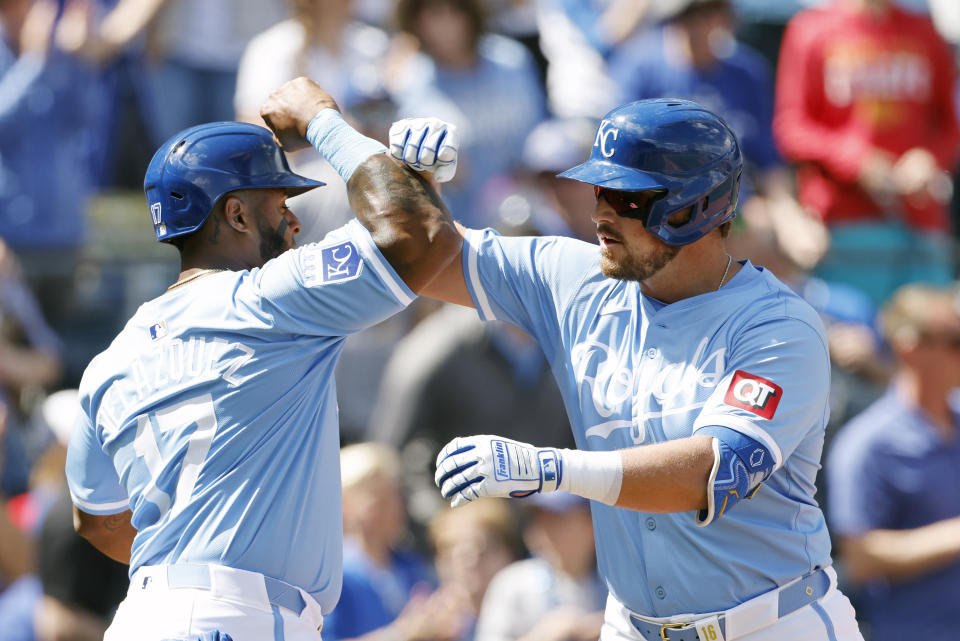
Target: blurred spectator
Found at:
x=695, y=56
x=46, y=147
x=760, y=23
x=471, y=545
x=517, y=19
x=485, y=84
x=865, y=107
x=73, y=590
x=387, y=591
x=429, y=395
x=196, y=46
x=533, y=200
x=893, y=475
x=557, y=594
x=29, y=363
x=324, y=42
x=16, y=549
x=108, y=36
x=576, y=38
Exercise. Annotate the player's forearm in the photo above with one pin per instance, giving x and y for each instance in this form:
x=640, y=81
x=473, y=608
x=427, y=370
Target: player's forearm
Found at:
x=901, y=555
x=667, y=477
x=406, y=218
x=112, y=534
x=663, y=477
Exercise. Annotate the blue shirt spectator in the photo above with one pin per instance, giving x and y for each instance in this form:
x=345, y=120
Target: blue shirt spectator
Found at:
x=487, y=85
x=45, y=142
x=388, y=591
x=373, y=596
x=738, y=85
x=893, y=473
x=890, y=468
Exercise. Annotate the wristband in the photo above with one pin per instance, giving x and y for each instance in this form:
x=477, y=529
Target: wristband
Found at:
x=343, y=146
x=592, y=475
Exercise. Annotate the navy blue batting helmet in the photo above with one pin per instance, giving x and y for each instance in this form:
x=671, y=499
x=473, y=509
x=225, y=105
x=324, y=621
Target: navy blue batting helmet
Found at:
x=676, y=148
x=197, y=167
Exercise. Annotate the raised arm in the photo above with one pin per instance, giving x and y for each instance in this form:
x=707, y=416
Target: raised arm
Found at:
x=410, y=225
x=403, y=212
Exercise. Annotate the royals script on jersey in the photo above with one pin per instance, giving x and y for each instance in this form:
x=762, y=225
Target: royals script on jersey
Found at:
x=213, y=414
x=751, y=357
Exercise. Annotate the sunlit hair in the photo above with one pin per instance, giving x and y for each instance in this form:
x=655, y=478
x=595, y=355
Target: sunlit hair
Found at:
x=492, y=515
x=362, y=461
x=905, y=317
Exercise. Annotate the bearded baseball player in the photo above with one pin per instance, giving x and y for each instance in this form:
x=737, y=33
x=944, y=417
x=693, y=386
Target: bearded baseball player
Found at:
x=207, y=451
x=696, y=386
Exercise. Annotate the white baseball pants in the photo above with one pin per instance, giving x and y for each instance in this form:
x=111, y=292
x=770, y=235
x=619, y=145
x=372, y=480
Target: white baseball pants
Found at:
x=236, y=603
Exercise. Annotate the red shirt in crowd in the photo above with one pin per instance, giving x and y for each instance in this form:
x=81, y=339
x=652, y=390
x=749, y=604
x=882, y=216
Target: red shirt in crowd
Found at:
x=849, y=81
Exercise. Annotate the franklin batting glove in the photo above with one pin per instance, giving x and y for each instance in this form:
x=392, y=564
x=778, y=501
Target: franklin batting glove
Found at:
x=476, y=466
x=426, y=144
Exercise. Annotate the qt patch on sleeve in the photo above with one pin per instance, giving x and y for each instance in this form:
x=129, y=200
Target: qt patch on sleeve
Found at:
x=754, y=394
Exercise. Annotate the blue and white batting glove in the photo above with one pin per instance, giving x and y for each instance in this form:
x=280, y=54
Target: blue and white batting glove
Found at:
x=426, y=144
x=472, y=467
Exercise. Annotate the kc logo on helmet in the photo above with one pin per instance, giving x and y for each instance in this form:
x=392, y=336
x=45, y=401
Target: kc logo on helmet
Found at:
x=604, y=133
x=754, y=394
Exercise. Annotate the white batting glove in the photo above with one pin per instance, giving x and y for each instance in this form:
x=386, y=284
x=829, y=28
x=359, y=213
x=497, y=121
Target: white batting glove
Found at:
x=426, y=144
x=476, y=466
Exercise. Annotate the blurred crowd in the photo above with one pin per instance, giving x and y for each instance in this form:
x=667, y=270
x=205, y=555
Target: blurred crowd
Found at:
x=847, y=111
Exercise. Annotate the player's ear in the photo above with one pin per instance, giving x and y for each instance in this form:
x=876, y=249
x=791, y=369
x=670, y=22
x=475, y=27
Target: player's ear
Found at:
x=236, y=213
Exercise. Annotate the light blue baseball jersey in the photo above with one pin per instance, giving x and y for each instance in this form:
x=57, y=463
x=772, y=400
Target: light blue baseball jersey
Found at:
x=751, y=357
x=213, y=414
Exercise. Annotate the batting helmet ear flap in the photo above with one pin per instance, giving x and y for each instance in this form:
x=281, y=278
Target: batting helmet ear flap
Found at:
x=673, y=145
x=719, y=204
x=194, y=169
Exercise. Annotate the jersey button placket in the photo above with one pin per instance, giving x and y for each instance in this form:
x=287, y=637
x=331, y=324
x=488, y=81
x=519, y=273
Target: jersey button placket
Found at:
x=651, y=524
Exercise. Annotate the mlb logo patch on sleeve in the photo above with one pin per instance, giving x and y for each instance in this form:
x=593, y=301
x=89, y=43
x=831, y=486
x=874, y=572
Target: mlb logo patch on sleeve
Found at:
x=332, y=263
x=158, y=330
x=754, y=394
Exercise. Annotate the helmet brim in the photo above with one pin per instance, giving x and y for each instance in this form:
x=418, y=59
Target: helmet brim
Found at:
x=295, y=184
x=613, y=176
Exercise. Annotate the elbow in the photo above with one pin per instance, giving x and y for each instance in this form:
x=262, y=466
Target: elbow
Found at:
x=420, y=255
x=444, y=247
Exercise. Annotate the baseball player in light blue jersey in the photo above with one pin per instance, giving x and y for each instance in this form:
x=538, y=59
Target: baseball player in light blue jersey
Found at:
x=206, y=454
x=696, y=386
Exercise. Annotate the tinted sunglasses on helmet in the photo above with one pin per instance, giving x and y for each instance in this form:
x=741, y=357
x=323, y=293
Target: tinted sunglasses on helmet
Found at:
x=630, y=204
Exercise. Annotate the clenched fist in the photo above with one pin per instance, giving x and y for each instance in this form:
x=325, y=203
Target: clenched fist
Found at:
x=290, y=109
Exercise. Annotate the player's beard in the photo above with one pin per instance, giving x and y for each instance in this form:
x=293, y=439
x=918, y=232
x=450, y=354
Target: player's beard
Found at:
x=273, y=242
x=634, y=267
